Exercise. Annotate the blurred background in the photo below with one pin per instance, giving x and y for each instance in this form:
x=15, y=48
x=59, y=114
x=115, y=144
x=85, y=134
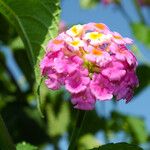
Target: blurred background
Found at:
x=111, y=121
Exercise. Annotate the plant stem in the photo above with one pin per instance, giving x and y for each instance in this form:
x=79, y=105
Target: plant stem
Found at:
x=76, y=131
x=5, y=139
x=124, y=13
x=138, y=9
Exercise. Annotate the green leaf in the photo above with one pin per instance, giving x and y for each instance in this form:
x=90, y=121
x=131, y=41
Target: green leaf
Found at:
x=87, y=141
x=27, y=124
x=2, y=58
x=137, y=129
x=6, y=31
x=25, y=146
x=7, y=85
x=22, y=60
x=16, y=44
x=95, y=124
x=132, y=126
x=142, y=33
x=143, y=73
x=117, y=121
x=118, y=146
x=87, y=4
x=36, y=21
x=58, y=123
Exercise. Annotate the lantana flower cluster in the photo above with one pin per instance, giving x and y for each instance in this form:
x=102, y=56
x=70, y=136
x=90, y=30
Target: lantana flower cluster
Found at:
x=144, y=2
x=92, y=63
x=141, y=2
x=107, y=2
x=62, y=26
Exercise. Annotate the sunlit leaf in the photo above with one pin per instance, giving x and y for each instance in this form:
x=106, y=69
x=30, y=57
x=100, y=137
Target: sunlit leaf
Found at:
x=118, y=146
x=58, y=123
x=87, y=141
x=137, y=129
x=25, y=146
x=86, y=4
x=17, y=44
x=142, y=33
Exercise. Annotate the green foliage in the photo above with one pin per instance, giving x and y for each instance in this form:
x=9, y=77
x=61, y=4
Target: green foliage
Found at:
x=86, y=4
x=95, y=124
x=136, y=128
x=118, y=146
x=7, y=84
x=36, y=22
x=143, y=73
x=131, y=125
x=142, y=33
x=34, y=29
x=58, y=123
x=16, y=44
x=35, y=26
x=21, y=57
x=25, y=146
x=87, y=141
x=6, y=32
x=26, y=124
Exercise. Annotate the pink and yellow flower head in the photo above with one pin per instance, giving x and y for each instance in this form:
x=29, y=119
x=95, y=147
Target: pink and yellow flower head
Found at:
x=92, y=63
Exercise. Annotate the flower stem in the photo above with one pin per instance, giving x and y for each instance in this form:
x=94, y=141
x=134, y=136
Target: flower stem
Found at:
x=5, y=140
x=138, y=9
x=124, y=13
x=76, y=131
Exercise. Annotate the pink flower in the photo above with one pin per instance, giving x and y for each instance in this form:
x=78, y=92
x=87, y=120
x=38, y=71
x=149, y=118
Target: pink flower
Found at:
x=52, y=82
x=125, y=88
x=62, y=26
x=73, y=64
x=107, y=2
x=77, y=81
x=97, y=56
x=118, y=39
x=75, y=44
x=144, y=2
x=92, y=63
x=46, y=64
x=99, y=27
x=122, y=53
x=101, y=88
x=114, y=71
x=55, y=45
x=83, y=100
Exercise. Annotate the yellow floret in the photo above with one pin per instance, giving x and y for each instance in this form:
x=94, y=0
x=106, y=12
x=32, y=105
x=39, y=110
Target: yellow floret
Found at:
x=95, y=35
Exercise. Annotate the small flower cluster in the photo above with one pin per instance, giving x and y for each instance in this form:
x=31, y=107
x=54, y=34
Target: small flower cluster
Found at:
x=92, y=63
x=62, y=26
x=144, y=2
x=141, y=2
x=107, y=2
